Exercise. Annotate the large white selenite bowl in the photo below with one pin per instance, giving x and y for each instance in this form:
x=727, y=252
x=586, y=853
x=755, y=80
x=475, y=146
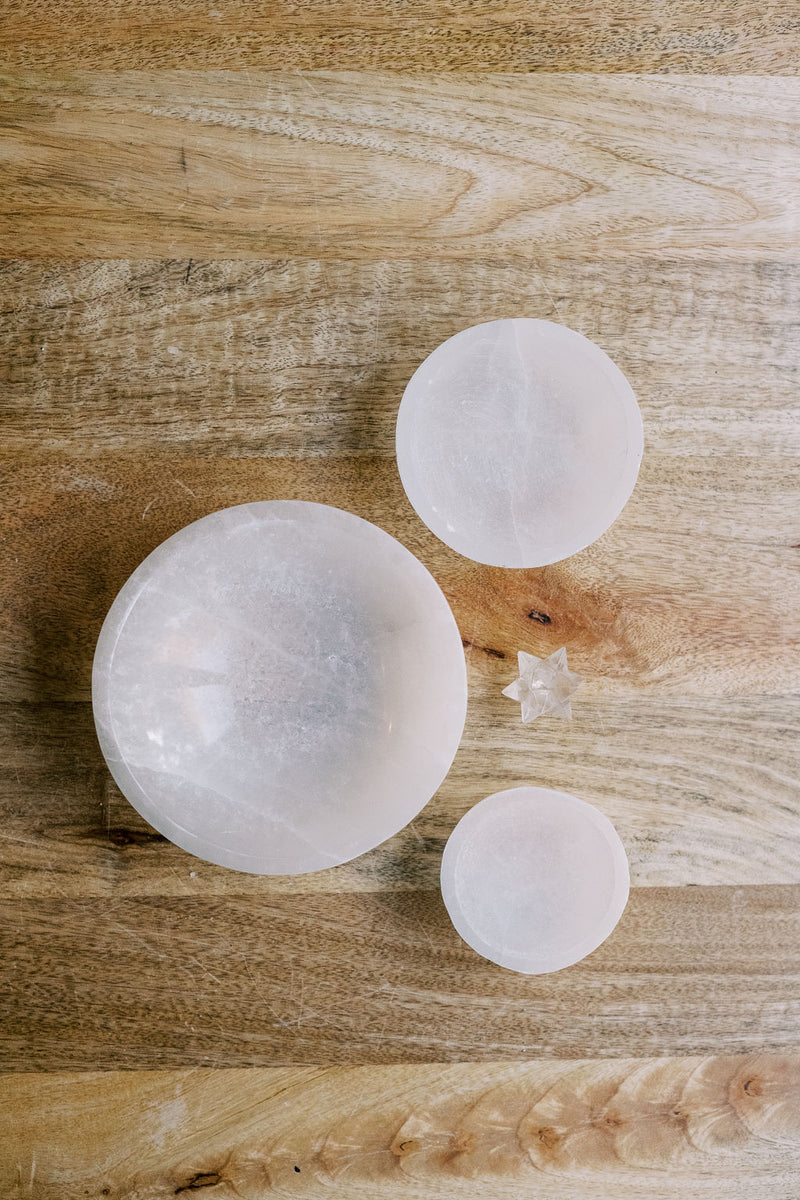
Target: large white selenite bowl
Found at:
x=279, y=687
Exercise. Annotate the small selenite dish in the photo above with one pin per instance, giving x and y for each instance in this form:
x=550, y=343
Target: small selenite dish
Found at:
x=279, y=687
x=534, y=880
x=518, y=442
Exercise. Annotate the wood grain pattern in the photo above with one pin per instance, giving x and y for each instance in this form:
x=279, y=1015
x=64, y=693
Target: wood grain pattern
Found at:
x=298, y=359
x=659, y=1129
x=219, y=281
x=701, y=791
x=383, y=977
x=518, y=35
x=187, y=163
x=641, y=610
x=678, y=733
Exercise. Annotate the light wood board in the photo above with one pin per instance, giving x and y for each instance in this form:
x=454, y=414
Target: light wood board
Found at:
x=655, y=1129
x=341, y=164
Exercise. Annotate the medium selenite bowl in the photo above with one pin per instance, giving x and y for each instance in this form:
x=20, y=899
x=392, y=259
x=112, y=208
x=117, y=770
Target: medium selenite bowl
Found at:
x=279, y=687
x=518, y=442
x=534, y=880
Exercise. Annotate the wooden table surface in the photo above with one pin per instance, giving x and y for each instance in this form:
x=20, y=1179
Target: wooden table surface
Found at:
x=228, y=238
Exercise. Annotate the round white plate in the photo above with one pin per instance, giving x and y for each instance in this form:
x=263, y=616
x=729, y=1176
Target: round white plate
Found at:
x=279, y=687
x=518, y=442
x=534, y=880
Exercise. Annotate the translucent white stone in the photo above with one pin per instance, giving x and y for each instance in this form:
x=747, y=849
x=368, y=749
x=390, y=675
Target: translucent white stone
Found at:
x=534, y=880
x=545, y=686
x=279, y=687
x=518, y=442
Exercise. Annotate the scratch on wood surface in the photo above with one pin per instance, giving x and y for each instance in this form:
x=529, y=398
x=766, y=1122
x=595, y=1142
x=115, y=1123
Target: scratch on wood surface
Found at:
x=426, y=936
x=553, y=300
x=185, y=486
x=205, y=969
x=184, y=885
x=12, y=837
x=420, y=840
x=301, y=75
x=300, y=1004
x=373, y=353
x=136, y=937
x=279, y=1019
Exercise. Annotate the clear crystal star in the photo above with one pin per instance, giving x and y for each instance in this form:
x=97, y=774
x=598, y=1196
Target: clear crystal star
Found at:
x=544, y=685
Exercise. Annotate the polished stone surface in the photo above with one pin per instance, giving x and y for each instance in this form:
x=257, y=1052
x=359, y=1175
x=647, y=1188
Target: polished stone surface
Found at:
x=534, y=880
x=518, y=442
x=279, y=687
x=545, y=686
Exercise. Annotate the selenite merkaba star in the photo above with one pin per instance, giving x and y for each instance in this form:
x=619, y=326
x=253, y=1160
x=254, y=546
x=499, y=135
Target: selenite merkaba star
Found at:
x=544, y=685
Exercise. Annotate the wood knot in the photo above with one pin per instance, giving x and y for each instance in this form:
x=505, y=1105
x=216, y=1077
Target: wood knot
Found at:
x=463, y=1143
x=753, y=1087
x=541, y=617
x=203, y=1179
x=548, y=1137
x=407, y=1146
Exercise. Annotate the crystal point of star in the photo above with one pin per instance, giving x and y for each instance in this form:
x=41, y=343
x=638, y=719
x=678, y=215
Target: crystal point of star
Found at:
x=545, y=685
